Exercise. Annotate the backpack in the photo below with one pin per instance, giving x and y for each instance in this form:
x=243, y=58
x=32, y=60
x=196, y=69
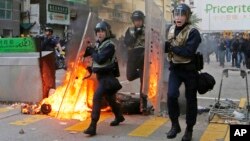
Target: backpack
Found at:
x=206, y=82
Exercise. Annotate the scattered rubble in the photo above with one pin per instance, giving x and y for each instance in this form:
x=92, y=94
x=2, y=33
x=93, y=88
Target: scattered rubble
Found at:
x=30, y=109
x=21, y=131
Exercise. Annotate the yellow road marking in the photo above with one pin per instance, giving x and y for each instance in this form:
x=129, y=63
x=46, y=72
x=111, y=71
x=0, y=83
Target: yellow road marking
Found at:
x=148, y=127
x=5, y=109
x=8, y=108
x=29, y=120
x=227, y=135
x=217, y=129
x=215, y=132
x=242, y=103
x=80, y=126
x=217, y=119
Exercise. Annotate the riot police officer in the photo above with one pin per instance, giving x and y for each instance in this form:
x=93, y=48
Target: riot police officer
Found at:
x=50, y=43
x=135, y=41
x=182, y=42
x=103, y=56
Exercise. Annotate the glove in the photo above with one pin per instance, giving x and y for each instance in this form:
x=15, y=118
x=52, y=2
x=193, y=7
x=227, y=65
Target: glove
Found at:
x=168, y=47
x=89, y=69
x=89, y=51
x=138, y=31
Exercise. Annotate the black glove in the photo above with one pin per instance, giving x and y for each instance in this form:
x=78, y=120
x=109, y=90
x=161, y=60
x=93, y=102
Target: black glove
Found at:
x=89, y=69
x=89, y=51
x=168, y=47
x=138, y=31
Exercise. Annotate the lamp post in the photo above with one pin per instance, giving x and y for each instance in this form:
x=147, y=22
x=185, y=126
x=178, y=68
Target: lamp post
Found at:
x=209, y=22
x=132, y=5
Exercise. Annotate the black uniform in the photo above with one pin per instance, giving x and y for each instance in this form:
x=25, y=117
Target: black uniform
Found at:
x=183, y=73
x=49, y=43
x=107, y=82
x=135, y=41
x=108, y=85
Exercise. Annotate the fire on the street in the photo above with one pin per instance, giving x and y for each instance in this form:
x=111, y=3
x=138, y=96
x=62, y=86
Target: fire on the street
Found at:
x=73, y=99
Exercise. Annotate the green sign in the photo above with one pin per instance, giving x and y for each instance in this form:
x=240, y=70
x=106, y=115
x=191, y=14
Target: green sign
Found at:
x=227, y=9
x=17, y=45
x=78, y=1
x=58, y=9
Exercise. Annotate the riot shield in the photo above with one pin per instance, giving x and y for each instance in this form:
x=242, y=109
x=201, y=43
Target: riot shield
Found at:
x=73, y=99
x=79, y=93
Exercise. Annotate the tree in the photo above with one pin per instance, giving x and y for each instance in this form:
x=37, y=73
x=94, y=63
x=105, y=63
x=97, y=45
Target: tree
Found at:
x=195, y=20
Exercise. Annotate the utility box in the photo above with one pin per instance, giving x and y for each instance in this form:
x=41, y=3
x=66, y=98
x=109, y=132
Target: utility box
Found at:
x=26, y=77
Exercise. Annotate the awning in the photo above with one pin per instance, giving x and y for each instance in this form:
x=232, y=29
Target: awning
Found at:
x=27, y=26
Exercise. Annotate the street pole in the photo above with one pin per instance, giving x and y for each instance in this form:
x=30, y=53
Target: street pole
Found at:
x=163, y=8
x=209, y=22
x=132, y=5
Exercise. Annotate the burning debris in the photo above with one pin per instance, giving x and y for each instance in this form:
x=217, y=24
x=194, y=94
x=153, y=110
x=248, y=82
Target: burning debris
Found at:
x=33, y=109
x=46, y=108
x=30, y=109
x=71, y=100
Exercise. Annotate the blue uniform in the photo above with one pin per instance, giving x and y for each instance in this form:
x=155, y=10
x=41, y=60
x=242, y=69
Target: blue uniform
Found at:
x=49, y=43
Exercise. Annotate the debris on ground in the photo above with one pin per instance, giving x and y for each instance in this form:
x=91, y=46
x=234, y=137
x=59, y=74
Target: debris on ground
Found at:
x=30, y=109
x=21, y=131
x=203, y=110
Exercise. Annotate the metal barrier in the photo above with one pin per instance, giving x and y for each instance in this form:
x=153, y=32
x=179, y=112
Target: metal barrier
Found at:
x=26, y=78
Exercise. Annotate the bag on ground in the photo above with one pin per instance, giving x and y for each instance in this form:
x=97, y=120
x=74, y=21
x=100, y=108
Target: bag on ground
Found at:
x=206, y=82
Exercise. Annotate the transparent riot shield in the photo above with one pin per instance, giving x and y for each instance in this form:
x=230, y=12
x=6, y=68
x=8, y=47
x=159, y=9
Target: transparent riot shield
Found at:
x=154, y=54
x=73, y=98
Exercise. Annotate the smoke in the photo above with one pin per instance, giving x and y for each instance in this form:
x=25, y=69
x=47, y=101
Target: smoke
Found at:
x=77, y=27
x=207, y=46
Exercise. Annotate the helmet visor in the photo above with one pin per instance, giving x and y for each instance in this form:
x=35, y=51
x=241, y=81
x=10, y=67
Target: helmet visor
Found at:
x=99, y=29
x=48, y=29
x=180, y=12
x=137, y=18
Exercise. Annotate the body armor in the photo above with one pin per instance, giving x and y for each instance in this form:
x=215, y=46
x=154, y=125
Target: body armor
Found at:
x=178, y=41
x=140, y=39
x=108, y=62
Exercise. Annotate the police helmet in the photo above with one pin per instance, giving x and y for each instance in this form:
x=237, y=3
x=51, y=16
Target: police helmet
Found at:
x=50, y=29
x=137, y=15
x=104, y=26
x=182, y=9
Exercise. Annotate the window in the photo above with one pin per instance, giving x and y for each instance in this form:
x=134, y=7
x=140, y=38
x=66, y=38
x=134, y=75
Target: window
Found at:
x=6, y=9
x=7, y=32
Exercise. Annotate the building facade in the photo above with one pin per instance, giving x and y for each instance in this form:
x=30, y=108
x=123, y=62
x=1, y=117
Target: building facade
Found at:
x=118, y=12
x=10, y=18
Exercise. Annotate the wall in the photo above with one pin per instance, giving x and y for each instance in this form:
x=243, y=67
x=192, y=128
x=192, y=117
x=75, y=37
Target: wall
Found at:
x=13, y=24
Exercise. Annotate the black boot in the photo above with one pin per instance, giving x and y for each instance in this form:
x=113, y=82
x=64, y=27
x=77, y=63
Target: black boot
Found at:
x=188, y=135
x=145, y=112
x=144, y=105
x=91, y=130
x=175, y=129
x=117, y=121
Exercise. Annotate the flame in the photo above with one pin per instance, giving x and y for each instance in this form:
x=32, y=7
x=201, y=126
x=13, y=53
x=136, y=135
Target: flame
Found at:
x=155, y=69
x=152, y=89
x=73, y=99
